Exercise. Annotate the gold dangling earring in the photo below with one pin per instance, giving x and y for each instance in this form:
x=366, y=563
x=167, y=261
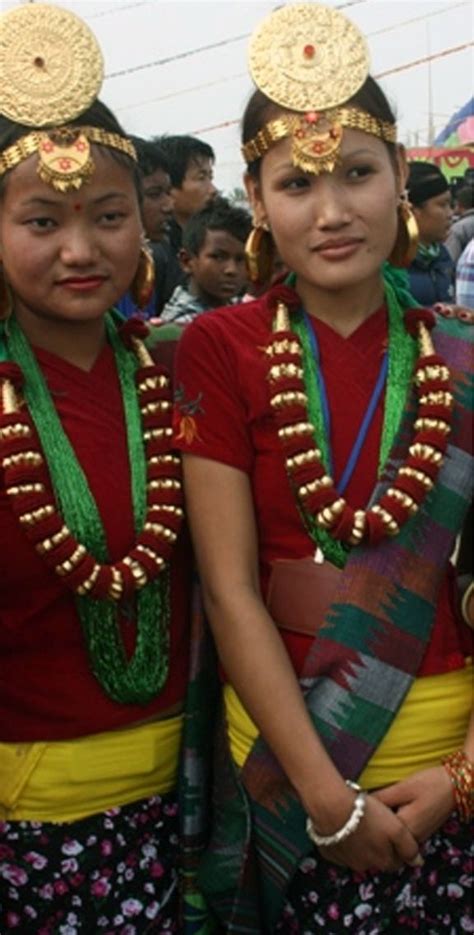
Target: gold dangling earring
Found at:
x=406, y=244
x=141, y=289
x=5, y=297
x=259, y=253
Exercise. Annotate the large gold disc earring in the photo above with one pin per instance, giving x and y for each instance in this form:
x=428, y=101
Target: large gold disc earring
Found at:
x=141, y=289
x=406, y=244
x=259, y=253
x=5, y=297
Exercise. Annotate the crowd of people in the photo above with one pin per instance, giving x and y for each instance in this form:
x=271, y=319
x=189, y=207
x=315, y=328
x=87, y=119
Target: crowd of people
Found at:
x=236, y=597
x=439, y=272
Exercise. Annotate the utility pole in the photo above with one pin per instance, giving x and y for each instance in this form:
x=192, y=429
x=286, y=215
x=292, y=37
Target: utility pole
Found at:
x=431, y=129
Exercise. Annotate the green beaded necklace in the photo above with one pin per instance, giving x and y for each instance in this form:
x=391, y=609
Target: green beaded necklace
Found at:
x=402, y=352
x=128, y=681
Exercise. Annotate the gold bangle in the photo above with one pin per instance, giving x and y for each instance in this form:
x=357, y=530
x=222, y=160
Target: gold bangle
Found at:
x=461, y=773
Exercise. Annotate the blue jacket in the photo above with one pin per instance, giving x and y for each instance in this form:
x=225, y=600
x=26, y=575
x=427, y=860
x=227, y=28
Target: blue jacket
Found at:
x=432, y=281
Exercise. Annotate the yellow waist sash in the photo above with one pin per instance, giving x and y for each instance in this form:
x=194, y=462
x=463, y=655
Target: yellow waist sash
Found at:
x=67, y=780
x=431, y=723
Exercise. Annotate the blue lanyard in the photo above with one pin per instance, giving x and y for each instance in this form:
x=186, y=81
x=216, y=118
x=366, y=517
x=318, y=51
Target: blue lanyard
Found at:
x=366, y=421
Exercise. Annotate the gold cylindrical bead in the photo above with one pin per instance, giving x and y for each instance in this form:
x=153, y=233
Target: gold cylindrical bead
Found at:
x=35, y=516
x=432, y=425
x=116, y=588
x=437, y=398
x=10, y=401
x=301, y=428
x=24, y=488
x=165, y=459
x=18, y=429
x=418, y=475
x=387, y=519
x=47, y=544
x=151, y=554
x=288, y=398
x=427, y=452
x=27, y=457
x=164, y=483
x=281, y=321
x=144, y=357
x=162, y=406
x=305, y=457
x=88, y=584
x=153, y=383
x=157, y=433
x=403, y=498
x=426, y=344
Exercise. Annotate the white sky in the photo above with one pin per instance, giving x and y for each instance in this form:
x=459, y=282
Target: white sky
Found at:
x=179, y=66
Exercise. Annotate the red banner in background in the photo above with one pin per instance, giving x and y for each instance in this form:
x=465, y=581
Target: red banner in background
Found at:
x=452, y=162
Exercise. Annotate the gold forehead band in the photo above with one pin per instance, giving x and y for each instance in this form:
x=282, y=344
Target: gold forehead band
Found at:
x=311, y=60
x=64, y=154
x=316, y=137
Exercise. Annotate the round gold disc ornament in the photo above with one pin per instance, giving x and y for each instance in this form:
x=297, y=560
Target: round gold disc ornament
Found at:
x=51, y=66
x=310, y=61
x=308, y=57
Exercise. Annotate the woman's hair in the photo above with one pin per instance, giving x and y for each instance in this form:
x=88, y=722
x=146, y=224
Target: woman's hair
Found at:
x=260, y=109
x=97, y=115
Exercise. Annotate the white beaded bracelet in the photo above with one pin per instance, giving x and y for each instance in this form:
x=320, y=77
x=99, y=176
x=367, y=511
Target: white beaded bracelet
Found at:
x=351, y=824
x=464, y=603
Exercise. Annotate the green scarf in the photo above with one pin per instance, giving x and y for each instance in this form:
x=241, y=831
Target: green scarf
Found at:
x=402, y=355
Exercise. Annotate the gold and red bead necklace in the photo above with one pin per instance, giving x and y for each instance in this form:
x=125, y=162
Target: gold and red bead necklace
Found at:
x=324, y=509
x=38, y=482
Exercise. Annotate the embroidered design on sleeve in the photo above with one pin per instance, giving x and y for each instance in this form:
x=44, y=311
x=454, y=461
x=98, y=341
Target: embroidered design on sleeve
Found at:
x=187, y=428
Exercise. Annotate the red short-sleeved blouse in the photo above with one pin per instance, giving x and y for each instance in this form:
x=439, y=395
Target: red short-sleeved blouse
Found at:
x=47, y=691
x=223, y=413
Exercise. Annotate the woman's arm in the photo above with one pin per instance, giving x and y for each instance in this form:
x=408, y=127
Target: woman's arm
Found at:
x=222, y=522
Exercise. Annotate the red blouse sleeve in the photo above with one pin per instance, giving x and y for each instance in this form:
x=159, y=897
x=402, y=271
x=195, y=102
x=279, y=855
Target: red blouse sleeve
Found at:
x=210, y=417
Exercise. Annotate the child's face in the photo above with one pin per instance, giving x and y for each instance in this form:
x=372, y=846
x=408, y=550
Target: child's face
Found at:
x=218, y=272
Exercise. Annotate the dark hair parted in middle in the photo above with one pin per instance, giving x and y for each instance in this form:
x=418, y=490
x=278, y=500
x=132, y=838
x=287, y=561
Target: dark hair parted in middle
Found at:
x=97, y=115
x=260, y=109
x=219, y=215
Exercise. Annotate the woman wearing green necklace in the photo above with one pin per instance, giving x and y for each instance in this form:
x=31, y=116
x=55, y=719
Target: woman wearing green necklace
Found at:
x=326, y=442
x=93, y=571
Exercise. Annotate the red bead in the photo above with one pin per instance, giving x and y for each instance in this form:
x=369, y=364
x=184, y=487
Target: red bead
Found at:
x=375, y=528
x=311, y=117
x=344, y=524
x=309, y=51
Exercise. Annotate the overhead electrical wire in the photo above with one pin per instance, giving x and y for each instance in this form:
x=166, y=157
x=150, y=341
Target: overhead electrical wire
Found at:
x=119, y=9
x=382, y=74
x=243, y=74
x=177, y=56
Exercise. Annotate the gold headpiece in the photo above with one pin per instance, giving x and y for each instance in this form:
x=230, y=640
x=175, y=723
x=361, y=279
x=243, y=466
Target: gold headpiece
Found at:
x=51, y=71
x=311, y=59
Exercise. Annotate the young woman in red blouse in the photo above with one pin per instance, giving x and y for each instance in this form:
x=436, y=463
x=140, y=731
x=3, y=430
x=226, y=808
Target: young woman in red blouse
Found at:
x=326, y=441
x=93, y=569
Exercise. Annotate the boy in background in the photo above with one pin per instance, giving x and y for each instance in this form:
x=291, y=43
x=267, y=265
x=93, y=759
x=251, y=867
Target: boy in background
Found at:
x=191, y=169
x=212, y=257
x=157, y=213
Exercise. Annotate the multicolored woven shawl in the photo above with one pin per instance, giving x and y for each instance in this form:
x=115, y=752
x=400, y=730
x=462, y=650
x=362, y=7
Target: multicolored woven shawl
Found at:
x=357, y=673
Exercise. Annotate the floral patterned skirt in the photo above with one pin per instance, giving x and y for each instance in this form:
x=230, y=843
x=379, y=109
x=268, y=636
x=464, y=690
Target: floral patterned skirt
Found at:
x=435, y=899
x=110, y=873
